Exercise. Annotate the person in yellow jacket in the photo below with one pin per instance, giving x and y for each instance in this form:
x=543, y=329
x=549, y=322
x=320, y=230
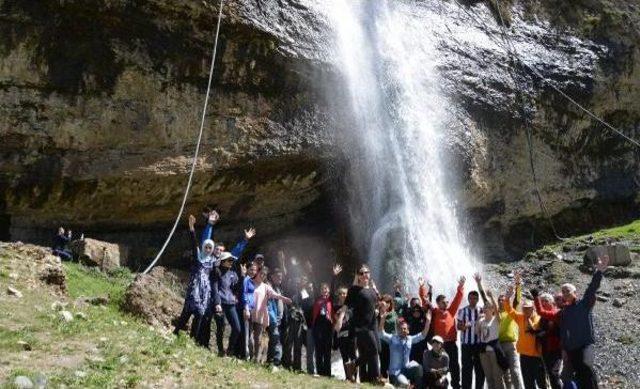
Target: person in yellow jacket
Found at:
x=527, y=345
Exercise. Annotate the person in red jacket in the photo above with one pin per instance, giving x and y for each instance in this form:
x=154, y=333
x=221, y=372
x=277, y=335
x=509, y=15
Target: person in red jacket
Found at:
x=549, y=335
x=443, y=323
x=322, y=327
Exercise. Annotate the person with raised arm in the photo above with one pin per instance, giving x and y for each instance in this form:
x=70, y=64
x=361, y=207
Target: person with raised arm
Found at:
x=576, y=327
x=470, y=342
x=507, y=334
x=491, y=356
x=345, y=338
x=528, y=321
x=402, y=370
x=322, y=325
x=60, y=244
x=362, y=298
x=444, y=325
x=199, y=292
x=549, y=335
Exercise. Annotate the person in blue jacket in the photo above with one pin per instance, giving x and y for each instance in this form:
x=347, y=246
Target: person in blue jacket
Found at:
x=199, y=293
x=576, y=328
x=226, y=280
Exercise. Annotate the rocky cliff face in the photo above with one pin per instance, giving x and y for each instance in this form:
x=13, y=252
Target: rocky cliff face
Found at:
x=101, y=100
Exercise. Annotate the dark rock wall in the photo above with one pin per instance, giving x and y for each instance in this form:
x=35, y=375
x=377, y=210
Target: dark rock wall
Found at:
x=100, y=104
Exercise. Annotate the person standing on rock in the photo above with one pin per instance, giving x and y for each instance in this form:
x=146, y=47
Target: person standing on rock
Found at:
x=362, y=298
x=444, y=325
x=576, y=328
x=60, y=243
x=470, y=341
x=199, y=292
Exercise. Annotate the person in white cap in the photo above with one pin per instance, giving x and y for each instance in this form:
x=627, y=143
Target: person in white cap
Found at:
x=435, y=364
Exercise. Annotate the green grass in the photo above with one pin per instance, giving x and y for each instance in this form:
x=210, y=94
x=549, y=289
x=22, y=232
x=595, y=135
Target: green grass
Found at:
x=112, y=349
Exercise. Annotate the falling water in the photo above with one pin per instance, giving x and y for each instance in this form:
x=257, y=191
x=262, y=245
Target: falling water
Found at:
x=400, y=204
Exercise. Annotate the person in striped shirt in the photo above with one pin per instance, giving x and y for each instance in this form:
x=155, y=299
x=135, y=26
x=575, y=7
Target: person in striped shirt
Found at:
x=466, y=324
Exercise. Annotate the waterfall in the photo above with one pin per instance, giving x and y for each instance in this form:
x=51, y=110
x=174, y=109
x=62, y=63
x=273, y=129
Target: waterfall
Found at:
x=400, y=203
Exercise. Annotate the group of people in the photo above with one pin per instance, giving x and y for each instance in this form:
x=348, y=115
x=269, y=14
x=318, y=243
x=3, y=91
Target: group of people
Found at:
x=508, y=341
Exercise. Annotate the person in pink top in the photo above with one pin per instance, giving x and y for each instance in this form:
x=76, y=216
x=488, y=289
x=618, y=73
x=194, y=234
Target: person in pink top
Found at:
x=257, y=313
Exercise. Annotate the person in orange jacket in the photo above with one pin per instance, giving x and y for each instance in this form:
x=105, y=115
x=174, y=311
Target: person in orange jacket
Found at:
x=531, y=362
x=443, y=324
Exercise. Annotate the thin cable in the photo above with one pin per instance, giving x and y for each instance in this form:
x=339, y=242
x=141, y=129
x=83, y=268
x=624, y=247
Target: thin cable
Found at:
x=195, y=155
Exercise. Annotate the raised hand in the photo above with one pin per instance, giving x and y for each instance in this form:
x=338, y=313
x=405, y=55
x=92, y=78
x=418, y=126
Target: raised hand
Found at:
x=510, y=291
x=477, y=277
x=192, y=223
x=420, y=281
x=337, y=269
x=250, y=233
x=462, y=280
x=517, y=277
x=243, y=269
x=218, y=308
x=602, y=263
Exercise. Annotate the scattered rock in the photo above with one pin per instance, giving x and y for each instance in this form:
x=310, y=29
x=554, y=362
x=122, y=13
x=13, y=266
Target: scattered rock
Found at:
x=14, y=292
x=151, y=297
x=25, y=346
x=602, y=299
x=619, y=255
x=13, y=276
x=567, y=248
x=99, y=300
x=80, y=374
x=604, y=293
x=81, y=315
x=618, y=303
x=66, y=316
x=568, y=259
x=22, y=382
x=58, y=305
x=105, y=255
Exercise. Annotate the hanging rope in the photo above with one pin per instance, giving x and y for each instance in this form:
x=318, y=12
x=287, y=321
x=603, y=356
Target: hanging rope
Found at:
x=195, y=155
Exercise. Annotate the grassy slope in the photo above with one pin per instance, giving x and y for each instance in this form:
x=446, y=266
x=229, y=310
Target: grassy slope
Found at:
x=110, y=348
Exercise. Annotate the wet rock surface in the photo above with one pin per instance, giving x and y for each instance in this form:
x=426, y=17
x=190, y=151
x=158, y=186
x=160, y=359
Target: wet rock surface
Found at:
x=98, y=135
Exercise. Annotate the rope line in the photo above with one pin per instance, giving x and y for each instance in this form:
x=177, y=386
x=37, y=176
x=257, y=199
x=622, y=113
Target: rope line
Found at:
x=195, y=155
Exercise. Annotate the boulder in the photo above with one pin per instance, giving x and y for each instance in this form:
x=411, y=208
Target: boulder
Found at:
x=619, y=255
x=14, y=292
x=22, y=382
x=105, y=255
x=155, y=297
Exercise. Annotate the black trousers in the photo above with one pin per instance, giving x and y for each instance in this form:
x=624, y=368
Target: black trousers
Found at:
x=368, y=360
x=385, y=355
x=533, y=372
x=198, y=324
x=451, y=348
x=585, y=375
x=323, y=337
x=347, y=347
x=470, y=365
x=294, y=339
x=552, y=363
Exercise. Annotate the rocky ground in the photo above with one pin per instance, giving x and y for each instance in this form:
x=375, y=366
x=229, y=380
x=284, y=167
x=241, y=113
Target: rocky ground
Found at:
x=617, y=308
x=70, y=325
x=71, y=331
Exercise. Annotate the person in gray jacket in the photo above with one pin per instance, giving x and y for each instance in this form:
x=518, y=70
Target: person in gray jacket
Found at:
x=435, y=363
x=576, y=328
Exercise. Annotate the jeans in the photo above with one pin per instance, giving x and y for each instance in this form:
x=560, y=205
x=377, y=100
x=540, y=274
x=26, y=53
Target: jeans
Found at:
x=410, y=374
x=231, y=314
x=491, y=369
x=274, y=349
x=512, y=377
x=451, y=349
x=323, y=337
x=533, y=372
x=64, y=254
x=582, y=364
x=293, y=341
x=471, y=364
x=553, y=365
x=367, y=344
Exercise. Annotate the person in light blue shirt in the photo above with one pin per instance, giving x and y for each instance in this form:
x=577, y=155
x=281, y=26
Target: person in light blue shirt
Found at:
x=402, y=371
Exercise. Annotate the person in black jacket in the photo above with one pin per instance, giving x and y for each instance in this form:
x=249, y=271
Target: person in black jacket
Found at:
x=60, y=242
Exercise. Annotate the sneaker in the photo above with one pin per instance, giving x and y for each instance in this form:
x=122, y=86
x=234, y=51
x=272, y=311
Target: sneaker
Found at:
x=275, y=369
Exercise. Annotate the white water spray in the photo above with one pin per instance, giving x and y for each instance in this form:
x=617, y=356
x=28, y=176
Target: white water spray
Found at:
x=400, y=204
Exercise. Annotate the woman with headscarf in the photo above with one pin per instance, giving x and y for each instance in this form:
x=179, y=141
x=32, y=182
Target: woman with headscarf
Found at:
x=199, y=293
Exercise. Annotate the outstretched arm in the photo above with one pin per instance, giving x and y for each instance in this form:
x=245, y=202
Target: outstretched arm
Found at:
x=207, y=232
x=590, y=294
x=194, y=240
x=242, y=244
x=455, y=304
x=478, y=278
